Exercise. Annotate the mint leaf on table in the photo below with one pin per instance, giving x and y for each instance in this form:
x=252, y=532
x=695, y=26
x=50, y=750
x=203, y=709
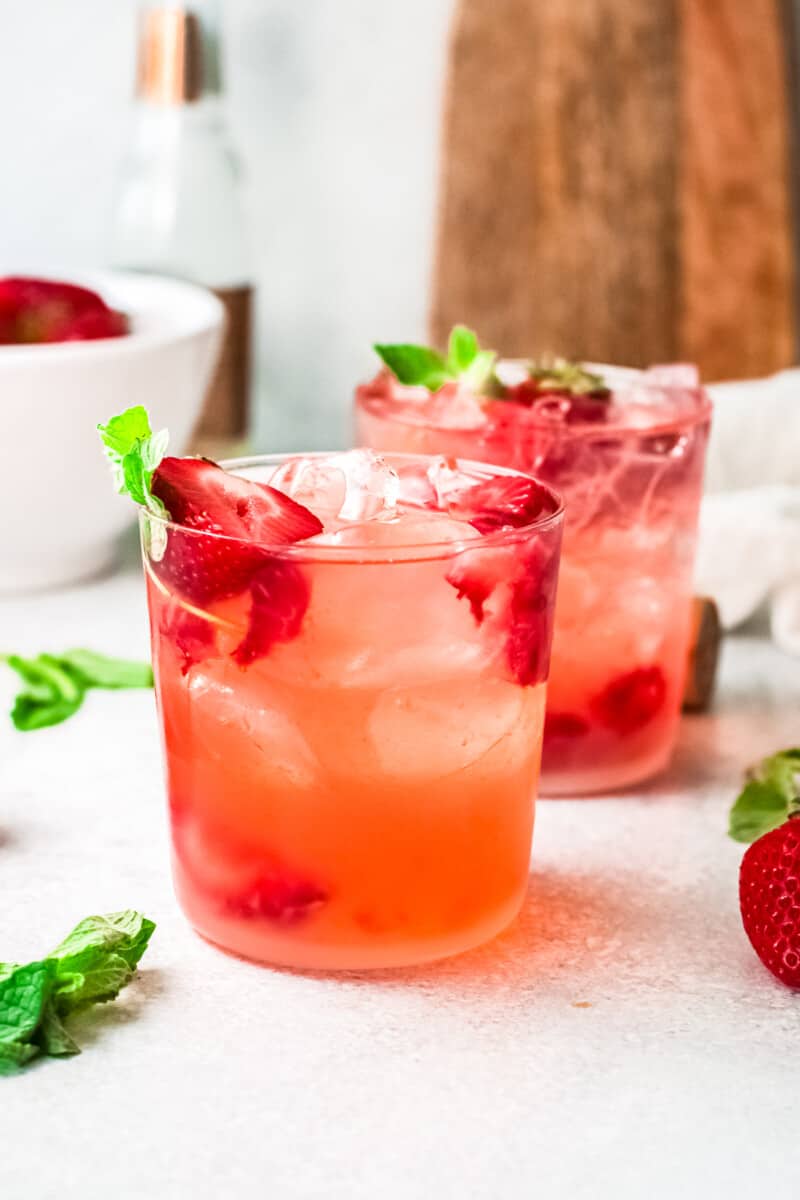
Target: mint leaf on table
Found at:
x=100, y=671
x=90, y=966
x=55, y=685
x=99, y=958
x=422, y=366
x=771, y=795
x=134, y=452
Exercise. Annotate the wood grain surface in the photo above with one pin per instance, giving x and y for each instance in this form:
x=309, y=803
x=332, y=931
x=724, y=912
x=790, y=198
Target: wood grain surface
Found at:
x=615, y=182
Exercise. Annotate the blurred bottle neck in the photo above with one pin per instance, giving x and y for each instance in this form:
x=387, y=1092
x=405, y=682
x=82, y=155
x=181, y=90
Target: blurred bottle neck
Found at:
x=179, y=54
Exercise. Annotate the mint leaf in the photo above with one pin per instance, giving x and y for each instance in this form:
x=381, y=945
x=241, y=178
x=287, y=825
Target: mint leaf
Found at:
x=462, y=349
x=55, y=685
x=91, y=965
x=123, y=433
x=53, y=692
x=99, y=957
x=14, y=1055
x=23, y=996
x=53, y=1038
x=98, y=670
x=415, y=365
x=134, y=452
x=770, y=796
x=424, y=367
x=480, y=371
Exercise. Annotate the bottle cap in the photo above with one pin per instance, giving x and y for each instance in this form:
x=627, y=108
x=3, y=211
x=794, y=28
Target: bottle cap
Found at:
x=177, y=64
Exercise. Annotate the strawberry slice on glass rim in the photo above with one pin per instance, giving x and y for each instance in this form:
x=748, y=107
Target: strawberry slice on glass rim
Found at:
x=213, y=536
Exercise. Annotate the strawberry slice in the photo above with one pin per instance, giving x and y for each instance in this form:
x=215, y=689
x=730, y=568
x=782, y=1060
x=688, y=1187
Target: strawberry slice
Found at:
x=280, y=594
x=502, y=502
x=532, y=609
x=41, y=310
x=631, y=701
x=242, y=518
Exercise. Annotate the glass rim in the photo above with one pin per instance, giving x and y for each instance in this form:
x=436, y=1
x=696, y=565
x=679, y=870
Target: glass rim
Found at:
x=630, y=378
x=367, y=554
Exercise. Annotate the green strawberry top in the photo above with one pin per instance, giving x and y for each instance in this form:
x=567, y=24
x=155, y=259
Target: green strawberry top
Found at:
x=465, y=362
x=770, y=796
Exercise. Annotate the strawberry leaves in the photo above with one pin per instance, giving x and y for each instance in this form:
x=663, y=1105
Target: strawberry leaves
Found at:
x=422, y=366
x=771, y=795
x=135, y=452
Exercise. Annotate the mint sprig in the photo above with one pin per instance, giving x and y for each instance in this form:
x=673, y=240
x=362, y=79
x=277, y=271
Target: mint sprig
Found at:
x=56, y=685
x=770, y=796
x=134, y=452
x=91, y=966
x=422, y=366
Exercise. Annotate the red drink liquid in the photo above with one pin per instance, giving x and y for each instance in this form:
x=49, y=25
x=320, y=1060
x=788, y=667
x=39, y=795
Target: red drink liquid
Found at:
x=630, y=473
x=360, y=795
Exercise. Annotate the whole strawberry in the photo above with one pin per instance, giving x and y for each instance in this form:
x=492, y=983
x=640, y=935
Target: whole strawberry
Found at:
x=769, y=896
x=766, y=814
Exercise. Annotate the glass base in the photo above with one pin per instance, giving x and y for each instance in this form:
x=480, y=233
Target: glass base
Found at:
x=288, y=951
x=600, y=780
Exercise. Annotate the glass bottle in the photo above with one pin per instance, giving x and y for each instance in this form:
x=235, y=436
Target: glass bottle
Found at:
x=178, y=210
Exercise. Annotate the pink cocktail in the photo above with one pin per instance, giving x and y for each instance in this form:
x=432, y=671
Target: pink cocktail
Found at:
x=352, y=697
x=626, y=452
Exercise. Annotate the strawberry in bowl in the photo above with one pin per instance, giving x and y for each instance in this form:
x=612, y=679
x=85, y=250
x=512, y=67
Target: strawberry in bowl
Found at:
x=65, y=347
x=33, y=311
x=626, y=450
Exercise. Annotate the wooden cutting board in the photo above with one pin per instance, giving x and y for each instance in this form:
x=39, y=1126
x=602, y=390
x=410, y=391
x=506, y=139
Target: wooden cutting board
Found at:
x=617, y=181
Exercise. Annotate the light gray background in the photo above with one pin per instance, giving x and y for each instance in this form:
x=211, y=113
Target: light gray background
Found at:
x=335, y=109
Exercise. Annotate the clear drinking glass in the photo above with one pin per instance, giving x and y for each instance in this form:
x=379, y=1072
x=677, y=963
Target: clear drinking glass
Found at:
x=631, y=476
x=361, y=792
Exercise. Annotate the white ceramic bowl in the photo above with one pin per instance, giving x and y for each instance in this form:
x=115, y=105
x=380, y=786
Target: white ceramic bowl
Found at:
x=59, y=516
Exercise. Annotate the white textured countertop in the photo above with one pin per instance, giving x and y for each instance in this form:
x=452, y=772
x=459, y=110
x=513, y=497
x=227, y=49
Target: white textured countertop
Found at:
x=479, y=1077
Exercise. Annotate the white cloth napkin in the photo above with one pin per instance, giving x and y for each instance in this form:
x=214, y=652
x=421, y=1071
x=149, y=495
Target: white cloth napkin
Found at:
x=749, y=551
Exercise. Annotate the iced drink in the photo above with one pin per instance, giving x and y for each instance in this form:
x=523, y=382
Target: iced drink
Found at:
x=352, y=697
x=626, y=451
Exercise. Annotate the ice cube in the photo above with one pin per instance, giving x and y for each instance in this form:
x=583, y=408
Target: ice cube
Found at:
x=674, y=375
x=455, y=407
x=401, y=538
x=316, y=483
x=241, y=717
x=357, y=485
x=415, y=486
x=435, y=730
x=448, y=480
x=372, y=486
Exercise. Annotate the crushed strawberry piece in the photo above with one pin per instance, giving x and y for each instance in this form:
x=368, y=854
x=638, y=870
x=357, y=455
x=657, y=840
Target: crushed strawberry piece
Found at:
x=281, y=898
x=280, y=593
x=191, y=635
x=565, y=725
x=631, y=701
x=502, y=502
x=471, y=584
x=532, y=611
